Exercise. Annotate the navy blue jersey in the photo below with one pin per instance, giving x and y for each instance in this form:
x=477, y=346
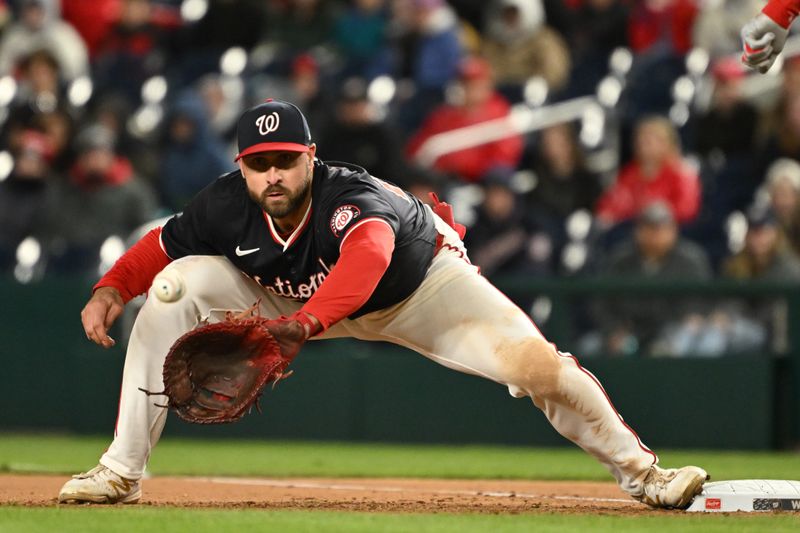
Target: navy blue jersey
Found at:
x=222, y=219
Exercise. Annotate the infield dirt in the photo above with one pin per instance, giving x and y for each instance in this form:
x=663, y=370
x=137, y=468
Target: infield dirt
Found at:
x=355, y=494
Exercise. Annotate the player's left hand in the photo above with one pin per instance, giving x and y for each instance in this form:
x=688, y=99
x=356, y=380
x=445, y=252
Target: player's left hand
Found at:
x=762, y=40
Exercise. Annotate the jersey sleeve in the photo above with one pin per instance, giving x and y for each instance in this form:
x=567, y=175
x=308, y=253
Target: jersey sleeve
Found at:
x=133, y=273
x=365, y=255
x=190, y=232
x=367, y=201
x=782, y=11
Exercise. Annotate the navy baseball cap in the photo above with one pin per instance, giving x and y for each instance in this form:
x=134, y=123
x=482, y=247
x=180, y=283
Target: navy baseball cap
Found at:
x=273, y=125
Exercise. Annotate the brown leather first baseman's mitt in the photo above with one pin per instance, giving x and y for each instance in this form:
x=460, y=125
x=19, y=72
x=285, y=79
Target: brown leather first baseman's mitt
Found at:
x=213, y=374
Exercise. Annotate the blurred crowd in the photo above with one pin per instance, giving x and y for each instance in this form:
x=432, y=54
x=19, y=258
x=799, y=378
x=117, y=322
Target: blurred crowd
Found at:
x=114, y=113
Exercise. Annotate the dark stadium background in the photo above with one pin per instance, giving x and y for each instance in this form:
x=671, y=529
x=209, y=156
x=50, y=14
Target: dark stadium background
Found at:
x=645, y=210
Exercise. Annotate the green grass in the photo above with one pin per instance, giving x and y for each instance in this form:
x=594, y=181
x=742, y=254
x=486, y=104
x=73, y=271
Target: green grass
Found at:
x=67, y=454
x=165, y=520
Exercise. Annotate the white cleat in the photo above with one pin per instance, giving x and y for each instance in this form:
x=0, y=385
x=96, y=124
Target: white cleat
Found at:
x=100, y=485
x=672, y=488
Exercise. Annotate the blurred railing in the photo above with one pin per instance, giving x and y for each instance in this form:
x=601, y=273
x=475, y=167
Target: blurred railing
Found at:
x=560, y=295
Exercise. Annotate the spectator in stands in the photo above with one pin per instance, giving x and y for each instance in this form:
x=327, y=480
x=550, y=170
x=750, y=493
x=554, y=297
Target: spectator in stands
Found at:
x=775, y=114
x=37, y=30
x=40, y=77
x=657, y=172
x=479, y=102
x=783, y=187
x=503, y=239
x=402, y=36
x=58, y=127
x=23, y=192
x=113, y=111
x=438, y=53
x=93, y=20
x=192, y=156
x=748, y=324
x=599, y=27
x=40, y=90
x=779, y=128
x=132, y=51
x=100, y=197
x=358, y=134
x=717, y=26
x=563, y=183
x=430, y=51
x=519, y=46
x=784, y=138
x=223, y=104
x=360, y=35
x=728, y=127
x=765, y=255
x=662, y=24
x=308, y=93
x=656, y=251
x=659, y=33
x=725, y=138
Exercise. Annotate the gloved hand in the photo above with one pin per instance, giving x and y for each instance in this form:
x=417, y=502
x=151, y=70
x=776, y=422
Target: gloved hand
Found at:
x=215, y=373
x=762, y=41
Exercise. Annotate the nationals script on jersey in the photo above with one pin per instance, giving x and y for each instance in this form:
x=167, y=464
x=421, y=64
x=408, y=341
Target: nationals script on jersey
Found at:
x=223, y=220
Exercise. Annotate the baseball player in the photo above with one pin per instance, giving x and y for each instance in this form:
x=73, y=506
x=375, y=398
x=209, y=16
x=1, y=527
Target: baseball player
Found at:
x=336, y=252
x=765, y=34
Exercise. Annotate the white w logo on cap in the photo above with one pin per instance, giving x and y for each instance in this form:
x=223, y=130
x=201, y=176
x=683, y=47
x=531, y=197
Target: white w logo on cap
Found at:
x=268, y=123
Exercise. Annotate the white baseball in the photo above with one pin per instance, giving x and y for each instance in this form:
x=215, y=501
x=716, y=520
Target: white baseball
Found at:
x=168, y=286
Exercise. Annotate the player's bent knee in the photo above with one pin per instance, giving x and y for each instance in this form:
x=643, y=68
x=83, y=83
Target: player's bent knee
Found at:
x=531, y=365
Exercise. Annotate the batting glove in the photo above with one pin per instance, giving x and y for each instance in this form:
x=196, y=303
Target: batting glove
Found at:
x=762, y=40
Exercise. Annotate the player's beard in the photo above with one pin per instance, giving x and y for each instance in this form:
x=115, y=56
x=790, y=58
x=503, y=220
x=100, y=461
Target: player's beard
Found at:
x=293, y=200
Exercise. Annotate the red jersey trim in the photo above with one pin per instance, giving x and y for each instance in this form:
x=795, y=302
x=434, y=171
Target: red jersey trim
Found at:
x=361, y=223
x=276, y=236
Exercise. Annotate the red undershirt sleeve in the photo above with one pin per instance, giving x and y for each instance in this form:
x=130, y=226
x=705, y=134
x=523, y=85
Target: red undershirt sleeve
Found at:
x=133, y=273
x=782, y=11
x=364, y=257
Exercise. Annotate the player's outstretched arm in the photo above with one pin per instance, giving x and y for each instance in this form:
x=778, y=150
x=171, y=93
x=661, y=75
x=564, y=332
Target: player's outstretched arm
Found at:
x=764, y=36
x=103, y=308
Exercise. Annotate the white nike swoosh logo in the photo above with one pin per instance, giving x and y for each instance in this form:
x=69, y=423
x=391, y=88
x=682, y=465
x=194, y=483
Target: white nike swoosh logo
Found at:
x=241, y=252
